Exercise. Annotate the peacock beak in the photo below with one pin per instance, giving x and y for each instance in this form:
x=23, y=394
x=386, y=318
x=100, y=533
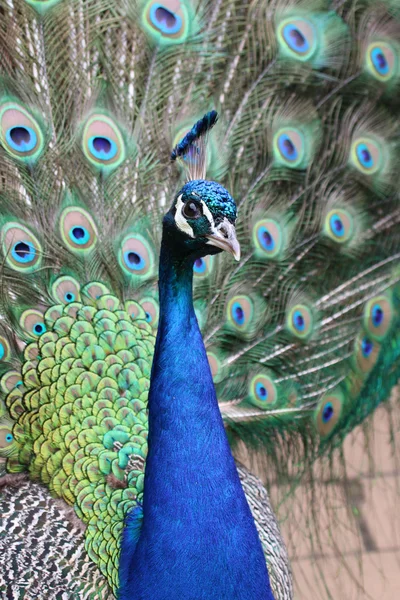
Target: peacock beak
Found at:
x=224, y=237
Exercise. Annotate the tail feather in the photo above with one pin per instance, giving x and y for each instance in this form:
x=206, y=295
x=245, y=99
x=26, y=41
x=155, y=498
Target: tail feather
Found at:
x=301, y=334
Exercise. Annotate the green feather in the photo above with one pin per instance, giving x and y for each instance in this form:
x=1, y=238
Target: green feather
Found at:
x=306, y=32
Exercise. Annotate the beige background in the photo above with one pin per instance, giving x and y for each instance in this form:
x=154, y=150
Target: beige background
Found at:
x=357, y=555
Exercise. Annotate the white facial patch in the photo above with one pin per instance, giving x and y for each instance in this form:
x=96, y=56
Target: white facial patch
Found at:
x=207, y=213
x=180, y=220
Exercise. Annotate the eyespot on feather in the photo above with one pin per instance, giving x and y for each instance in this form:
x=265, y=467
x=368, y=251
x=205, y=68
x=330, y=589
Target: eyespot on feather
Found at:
x=245, y=314
x=6, y=437
x=78, y=230
x=151, y=309
x=339, y=226
x=300, y=321
x=11, y=381
x=5, y=349
x=268, y=239
x=65, y=290
x=21, y=248
x=202, y=267
x=289, y=148
x=381, y=61
x=20, y=134
x=94, y=290
x=366, y=155
x=262, y=391
x=215, y=366
x=378, y=317
x=32, y=322
x=136, y=256
x=329, y=412
x=8, y=444
x=239, y=312
x=102, y=142
x=298, y=38
x=312, y=37
x=134, y=310
x=42, y=6
x=366, y=353
x=167, y=22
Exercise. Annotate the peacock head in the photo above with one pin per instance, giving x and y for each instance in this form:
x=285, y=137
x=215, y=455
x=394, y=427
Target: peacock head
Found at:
x=202, y=219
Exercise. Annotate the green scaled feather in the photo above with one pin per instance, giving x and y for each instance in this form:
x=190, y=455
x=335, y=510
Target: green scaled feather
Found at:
x=84, y=383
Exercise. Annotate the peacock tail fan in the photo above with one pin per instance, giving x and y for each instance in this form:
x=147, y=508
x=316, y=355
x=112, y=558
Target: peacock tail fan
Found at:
x=301, y=334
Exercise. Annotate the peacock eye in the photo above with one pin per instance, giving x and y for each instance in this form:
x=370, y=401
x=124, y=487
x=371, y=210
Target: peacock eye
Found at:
x=367, y=155
x=289, y=148
x=339, y=226
x=169, y=21
x=381, y=60
x=329, y=412
x=192, y=210
x=262, y=391
x=5, y=350
x=298, y=38
x=300, y=321
x=20, y=134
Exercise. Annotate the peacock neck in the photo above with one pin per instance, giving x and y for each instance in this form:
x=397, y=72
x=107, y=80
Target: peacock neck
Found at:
x=182, y=397
x=198, y=538
x=175, y=291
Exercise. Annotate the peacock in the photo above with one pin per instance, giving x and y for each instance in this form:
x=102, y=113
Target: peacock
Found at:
x=301, y=333
x=195, y=537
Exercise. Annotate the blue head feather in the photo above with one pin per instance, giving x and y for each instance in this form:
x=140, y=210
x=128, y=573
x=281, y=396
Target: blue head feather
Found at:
x=199, y=130
x=192, y=149
x=214, y=195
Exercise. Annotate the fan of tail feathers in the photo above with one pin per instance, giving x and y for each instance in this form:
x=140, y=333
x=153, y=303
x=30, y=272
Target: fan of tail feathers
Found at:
x=302, y=335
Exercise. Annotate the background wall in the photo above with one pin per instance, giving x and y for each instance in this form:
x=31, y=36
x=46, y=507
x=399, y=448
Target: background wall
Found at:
x=354, y=550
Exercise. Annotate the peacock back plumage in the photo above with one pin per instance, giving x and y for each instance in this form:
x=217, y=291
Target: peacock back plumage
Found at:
x=80, y=410
x=302, y=334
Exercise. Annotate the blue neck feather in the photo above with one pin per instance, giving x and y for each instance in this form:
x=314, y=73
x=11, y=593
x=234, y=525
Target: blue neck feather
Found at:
x=198, y=539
